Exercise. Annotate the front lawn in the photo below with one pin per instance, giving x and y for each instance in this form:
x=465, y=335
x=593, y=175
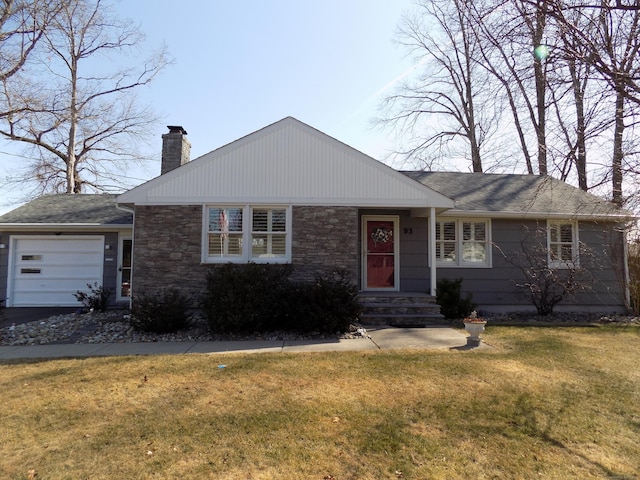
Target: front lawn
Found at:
x=550, y=403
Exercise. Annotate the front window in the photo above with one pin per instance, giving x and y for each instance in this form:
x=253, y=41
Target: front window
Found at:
x=269, y=232
x=446, y=242
x=474, y=242
x=462, y=243
x=562, y=240
x=244, y=233
x=225, y=232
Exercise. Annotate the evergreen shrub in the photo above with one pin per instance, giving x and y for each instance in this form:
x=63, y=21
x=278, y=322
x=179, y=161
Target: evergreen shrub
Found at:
x=449, y=297
x=165, y=312
x=261, y=298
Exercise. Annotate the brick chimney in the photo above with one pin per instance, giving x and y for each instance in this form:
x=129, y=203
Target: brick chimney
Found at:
x=176, y=149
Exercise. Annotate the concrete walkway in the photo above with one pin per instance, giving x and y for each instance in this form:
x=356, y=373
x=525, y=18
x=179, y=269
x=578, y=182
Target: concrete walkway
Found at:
x=381, y=338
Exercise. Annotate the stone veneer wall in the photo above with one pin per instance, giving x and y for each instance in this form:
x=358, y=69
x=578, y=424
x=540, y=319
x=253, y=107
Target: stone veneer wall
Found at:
x=324, y=239
x=167, y=249
x=168, y=241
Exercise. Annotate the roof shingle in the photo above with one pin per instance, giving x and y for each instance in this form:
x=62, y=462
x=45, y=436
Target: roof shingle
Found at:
x=516, y=194
x=91, y=209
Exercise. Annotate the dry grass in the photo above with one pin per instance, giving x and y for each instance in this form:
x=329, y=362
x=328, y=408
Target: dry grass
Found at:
x=548, y=402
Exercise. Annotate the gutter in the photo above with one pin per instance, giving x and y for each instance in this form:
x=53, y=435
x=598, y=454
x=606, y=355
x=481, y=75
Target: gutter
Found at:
x=538, y=215
x=58, y=227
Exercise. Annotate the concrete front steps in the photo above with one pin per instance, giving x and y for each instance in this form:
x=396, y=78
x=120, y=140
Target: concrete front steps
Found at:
x=400, y=309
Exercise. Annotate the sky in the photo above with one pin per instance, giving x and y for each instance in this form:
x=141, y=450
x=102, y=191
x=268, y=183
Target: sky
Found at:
x=239, y=66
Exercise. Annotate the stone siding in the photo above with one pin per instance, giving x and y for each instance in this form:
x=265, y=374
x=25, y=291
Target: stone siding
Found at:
x=324, y=239
x=168, y=243
x=167, y=249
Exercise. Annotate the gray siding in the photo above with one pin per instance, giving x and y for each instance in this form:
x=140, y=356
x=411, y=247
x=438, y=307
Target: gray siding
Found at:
x=495, y=288
x=110, y=266
x=4, y=266
x=414, y=259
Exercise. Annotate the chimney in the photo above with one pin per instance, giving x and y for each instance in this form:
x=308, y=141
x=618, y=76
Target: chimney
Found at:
x=176, y=149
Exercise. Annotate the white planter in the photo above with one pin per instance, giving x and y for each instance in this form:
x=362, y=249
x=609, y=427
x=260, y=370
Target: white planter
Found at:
x=474, y=329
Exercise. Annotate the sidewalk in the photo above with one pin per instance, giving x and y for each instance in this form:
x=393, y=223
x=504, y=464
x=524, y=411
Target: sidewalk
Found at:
x=380, y=338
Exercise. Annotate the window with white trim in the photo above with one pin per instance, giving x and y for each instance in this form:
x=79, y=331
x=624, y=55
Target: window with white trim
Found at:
x=242, y=234
x=225, y=232
x=562, y=243
x=268, y=233
x=463, y=243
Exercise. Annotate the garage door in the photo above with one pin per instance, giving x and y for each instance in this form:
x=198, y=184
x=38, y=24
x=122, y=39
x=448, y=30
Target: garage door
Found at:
x=47, y=271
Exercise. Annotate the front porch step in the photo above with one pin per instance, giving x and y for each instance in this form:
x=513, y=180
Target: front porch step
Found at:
x=400, y=309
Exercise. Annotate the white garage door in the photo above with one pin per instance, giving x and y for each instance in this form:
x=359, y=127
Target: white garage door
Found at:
x=47, y=271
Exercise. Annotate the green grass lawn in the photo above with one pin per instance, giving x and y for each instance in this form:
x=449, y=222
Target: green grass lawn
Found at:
x=549, y=403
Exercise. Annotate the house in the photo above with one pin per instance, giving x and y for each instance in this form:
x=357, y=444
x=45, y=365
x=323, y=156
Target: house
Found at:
x=55, y=245
x=289, y=193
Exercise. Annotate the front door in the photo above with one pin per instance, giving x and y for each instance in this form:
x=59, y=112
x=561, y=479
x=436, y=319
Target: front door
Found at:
x=124, y=269
x=380, y=252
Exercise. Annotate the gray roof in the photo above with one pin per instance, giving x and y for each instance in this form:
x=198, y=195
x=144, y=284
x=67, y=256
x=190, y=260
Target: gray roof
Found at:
x=479, y=193
x=87, y=209
x=511, y=194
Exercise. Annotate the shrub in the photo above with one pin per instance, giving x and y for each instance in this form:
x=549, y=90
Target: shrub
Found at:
x=328, y=305
x=162, y=313
x=449, y=297
x=97, y=300
x=245, y=298
x=634, y=279
x=259, y=298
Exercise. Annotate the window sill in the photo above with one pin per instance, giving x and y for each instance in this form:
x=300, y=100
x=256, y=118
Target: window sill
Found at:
x=240, y=261
x=464, y=265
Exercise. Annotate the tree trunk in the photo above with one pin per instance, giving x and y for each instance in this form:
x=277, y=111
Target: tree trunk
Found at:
x=618, y=153
x=581, y=128
x=540, y=80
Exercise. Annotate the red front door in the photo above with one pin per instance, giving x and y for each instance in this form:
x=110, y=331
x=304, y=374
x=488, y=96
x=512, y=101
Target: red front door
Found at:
x=380, y=253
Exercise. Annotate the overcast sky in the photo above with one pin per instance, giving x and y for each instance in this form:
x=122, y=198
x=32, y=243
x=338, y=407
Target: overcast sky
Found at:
x=242, y=65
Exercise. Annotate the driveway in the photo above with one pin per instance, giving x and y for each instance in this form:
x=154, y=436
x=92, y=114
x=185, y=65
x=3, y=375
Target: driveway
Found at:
x=19, y=315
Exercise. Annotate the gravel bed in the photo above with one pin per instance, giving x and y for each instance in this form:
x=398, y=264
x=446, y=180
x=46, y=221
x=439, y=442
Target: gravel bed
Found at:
x=113, y=327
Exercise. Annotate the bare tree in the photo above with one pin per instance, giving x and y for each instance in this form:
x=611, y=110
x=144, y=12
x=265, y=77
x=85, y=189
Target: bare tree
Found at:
x=509, y=33
x=543, y=284
x=619, y=14
x=607, y=37
x=22, y=25
x=75, y=108
x=566, y=70
x=580, y=102
x=442, y=106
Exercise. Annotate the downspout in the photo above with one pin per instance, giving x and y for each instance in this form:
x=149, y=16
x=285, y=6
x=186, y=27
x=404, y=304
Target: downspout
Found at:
x=432, y=249
x=625, y=259
x=133, y=229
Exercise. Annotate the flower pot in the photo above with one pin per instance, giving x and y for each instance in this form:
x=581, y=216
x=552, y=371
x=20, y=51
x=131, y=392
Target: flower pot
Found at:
x=474, y=329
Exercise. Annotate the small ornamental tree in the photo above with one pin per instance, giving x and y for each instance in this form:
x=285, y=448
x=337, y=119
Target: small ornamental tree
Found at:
x=545, y=282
